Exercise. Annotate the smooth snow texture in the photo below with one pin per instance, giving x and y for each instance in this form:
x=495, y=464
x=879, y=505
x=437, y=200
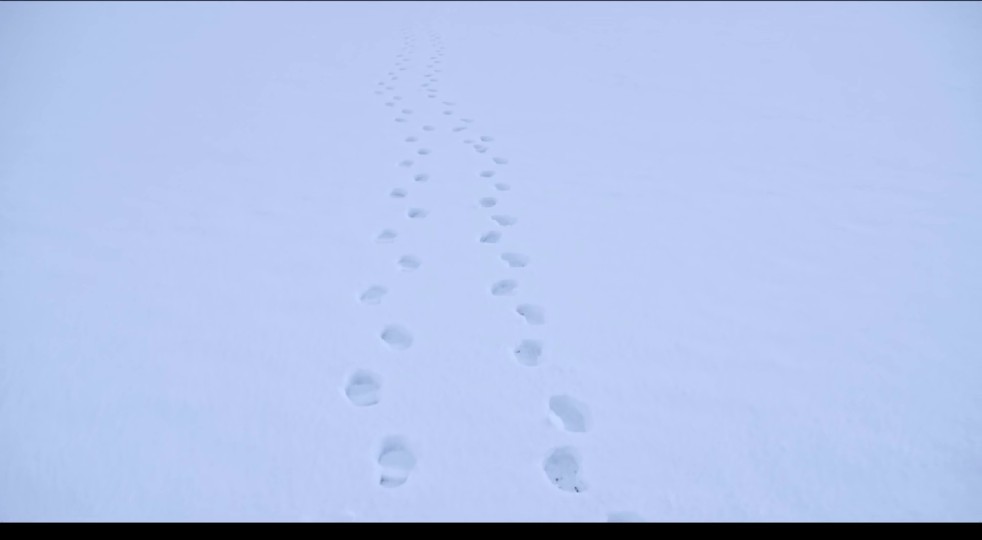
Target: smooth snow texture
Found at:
x=580, y=261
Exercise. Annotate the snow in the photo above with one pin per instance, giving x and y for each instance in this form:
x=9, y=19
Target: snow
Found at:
x=631, y=261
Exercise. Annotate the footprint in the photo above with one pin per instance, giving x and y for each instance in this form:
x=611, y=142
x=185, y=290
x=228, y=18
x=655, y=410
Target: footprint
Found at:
x=515, y=260
x=490, y=237
x=529, y=352
x=501, y=186
x=501, y=160
x=570, y=413
x=488, y=202
x=397, y=337
x=398, y=193
x=407, y=111
x=503, y=220
x=363, y=388
x=411, y=139
x=468, y=141
x=423, y=151
x=389, y=104
x=468, y=120
x=624, y=517
x=480, y=148
x=400, y=119
x=449, y=103
x=562, y=467
x=398, y=98
x=421, y=177
x=531, y=313
x=485, y=138
x=406, y=163
x=448, y=113
x=504, y=287
x=459, y=128
x=417, y=213
x=428, y=128
x=396, y=462
x=409, y=262
x=386, y=236
x=373, y=294
x=487, y=174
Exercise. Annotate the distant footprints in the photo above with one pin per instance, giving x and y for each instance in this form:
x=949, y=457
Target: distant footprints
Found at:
x=562, y=468
x=532, y=314
x=396, y=462
x=396, y=337
x=363, y=388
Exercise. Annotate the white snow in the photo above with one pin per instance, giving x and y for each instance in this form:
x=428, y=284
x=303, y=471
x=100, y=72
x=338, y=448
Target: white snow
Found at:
x=561, y=261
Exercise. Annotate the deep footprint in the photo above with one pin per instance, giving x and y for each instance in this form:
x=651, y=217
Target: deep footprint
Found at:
x=570, y=413
x=396, y=462
x=562, y=467
x=363, y=388
x=373, y=294
x=529, y=352
x=531, y=313
x=397, y=337
x=504, y=287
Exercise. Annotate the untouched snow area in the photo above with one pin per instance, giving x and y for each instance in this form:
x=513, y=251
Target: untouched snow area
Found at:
x=490, y=261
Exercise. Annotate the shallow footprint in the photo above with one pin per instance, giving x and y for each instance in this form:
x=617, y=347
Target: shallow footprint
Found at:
x=529, y=352
x=570, y=413
x=562, y=467
x=487, y=138
x=417, y=213
x=421, y=177
x=504, y=287
x=373, y=294
x=423, y=151
x=396, y=461
x=363, y=388
x=501, y=186
x=480, y=148
x=409, y=262
x=503, y=220
x=411, y=139
x=487, y=174
x=488, y=202
x=490, y=237
x=501, y=160
x=387, y=236
x=531, y=313
x=428, y=128
x=406, y=163
x=515, y=260
x=398, y=193
x=397, y=337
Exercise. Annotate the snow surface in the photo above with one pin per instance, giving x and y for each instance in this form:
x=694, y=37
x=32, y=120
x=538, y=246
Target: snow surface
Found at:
x=632, y=261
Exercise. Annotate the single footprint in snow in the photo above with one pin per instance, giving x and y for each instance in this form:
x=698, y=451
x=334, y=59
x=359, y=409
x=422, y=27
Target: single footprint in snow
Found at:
x=562, y=467
x=423, y=151
x=397, y=98
x=389, y=104
x=431, y=96
x=488, y=202
x=416, y=213
x=386, y=236
x=480, y=148
x=397, y=337
x=531, y=313
x=363, y=388
x=400, y=119
x=515, y=260
x=447, y=112
x=428, y=128
x=421, y=177
x=396, y=461
x=501, y=160
x=504, y=287
x=373, y=294
x=459, y=128
x=468, y=141
x=411, y=139
x=449, y=103
x=409, y=262
x=407, y=111
x=503, y=220
x=487, y=174
x=406, y=163
x=487, y=138
x=501, y=186
x=529, y=352
x=569, y=413
x=398, y=193
x=624, y=517
x=490, y=237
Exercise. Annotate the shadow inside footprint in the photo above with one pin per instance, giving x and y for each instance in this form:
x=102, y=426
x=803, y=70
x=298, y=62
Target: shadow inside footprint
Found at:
x=562, y=467
x=363, y=388
x=569, y=413
x=396, y=461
